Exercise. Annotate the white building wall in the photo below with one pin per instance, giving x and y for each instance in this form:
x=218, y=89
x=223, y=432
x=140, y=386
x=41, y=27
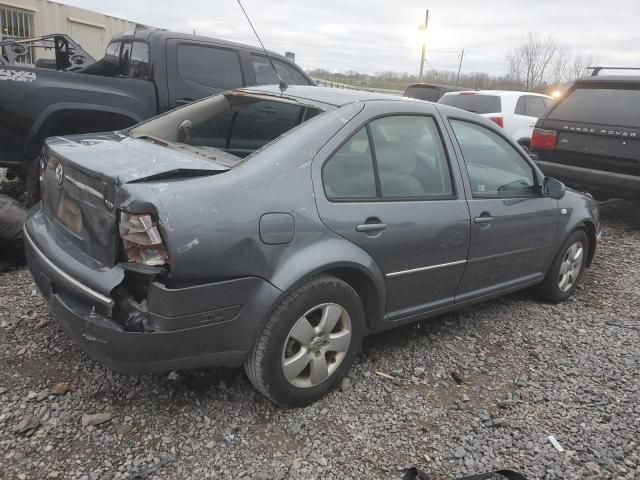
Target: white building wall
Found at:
x=91, y=30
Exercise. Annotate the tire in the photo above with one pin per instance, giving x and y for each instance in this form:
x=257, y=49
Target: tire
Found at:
x=311, y=309
x=563, y=275
x=32, y=183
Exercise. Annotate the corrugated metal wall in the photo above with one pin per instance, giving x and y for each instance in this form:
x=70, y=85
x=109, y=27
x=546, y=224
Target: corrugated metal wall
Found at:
x=92, y=30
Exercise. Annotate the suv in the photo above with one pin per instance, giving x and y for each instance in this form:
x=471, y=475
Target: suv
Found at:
x=429, y=91
x=515, y=112
x=591, y=137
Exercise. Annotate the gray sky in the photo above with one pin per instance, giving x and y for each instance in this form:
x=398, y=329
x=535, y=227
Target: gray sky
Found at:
x=376, y=35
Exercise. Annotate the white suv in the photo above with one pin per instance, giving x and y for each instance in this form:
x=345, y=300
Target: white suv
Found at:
x=516, y=112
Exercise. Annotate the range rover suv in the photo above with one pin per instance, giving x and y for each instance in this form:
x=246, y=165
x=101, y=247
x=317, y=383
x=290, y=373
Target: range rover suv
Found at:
x=590, y=138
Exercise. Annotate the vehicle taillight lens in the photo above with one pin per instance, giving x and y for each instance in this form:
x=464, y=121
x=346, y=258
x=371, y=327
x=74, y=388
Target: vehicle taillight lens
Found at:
x=498, y=121
x=141, y=239
x=544, y=139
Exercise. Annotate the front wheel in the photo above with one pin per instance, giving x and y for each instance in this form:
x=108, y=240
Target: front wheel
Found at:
x=567, y=269
x=309, y=343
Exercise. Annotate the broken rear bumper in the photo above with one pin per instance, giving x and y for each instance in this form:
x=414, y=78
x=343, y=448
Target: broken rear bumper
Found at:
x=205, y=325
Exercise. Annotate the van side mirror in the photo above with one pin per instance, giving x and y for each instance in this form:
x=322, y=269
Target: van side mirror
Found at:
x=553, y=188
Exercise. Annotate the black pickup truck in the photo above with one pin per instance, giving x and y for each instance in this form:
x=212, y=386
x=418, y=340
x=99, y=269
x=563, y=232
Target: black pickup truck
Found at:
x=143, y=73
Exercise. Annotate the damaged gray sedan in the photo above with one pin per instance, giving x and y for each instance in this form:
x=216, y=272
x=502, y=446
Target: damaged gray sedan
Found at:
x=275, y=230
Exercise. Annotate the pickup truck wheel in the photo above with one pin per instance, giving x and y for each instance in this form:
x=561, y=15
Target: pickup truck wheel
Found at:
x=32, y=183
x=309, y=343
x=567, y=268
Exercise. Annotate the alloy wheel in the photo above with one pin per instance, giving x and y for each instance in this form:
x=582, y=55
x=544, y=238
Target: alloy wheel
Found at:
x=316, y=345
x=570, y=267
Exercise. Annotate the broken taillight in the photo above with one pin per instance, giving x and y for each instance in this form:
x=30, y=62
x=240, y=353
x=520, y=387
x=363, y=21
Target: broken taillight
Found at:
x=141, y=239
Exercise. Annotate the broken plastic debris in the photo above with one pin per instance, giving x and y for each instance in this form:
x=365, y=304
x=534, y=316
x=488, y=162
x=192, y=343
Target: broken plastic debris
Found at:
x=555, y=443
x=228, y=438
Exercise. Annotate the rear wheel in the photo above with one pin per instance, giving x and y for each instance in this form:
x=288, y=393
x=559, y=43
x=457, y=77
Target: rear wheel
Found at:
x=567, y=269
x=309, y=343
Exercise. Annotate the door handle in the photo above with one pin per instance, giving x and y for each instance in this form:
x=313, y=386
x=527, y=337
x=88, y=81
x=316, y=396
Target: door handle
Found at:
x=371, y=227
x=184, y=101
x=483, y=219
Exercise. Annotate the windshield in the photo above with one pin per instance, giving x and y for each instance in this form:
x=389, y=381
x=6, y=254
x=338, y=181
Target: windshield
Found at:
x=473, y=102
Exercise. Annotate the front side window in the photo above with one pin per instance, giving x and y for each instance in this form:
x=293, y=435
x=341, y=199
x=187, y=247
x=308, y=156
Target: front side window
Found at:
x=266, y=76
x=209, y=66
x=396, y=157
x=410, y=158
x=495, y=167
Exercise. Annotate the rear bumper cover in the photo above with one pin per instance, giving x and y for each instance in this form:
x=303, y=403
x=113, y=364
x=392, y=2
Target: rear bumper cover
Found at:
x=205, y=325
x=617, y=184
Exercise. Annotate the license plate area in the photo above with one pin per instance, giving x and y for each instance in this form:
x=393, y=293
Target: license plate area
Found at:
x=70, y=214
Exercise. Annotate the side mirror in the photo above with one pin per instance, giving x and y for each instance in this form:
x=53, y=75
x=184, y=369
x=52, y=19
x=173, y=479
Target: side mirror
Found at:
x=553, y=188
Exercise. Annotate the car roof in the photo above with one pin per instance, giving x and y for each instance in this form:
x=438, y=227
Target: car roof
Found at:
x=499, y=93
x=336, y=97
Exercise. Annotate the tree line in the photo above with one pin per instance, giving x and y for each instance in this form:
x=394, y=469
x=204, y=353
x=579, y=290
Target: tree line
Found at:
x=536, y=64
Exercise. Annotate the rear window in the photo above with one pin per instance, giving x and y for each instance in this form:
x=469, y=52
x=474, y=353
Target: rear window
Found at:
x=474, y=103
x=432, y=94
x=606, y=106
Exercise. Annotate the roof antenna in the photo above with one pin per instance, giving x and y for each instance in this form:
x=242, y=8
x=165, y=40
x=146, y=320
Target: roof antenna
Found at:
x=282, y=84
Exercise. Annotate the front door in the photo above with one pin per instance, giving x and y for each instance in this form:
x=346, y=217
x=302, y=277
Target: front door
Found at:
x=513, y=227
x=389, y=188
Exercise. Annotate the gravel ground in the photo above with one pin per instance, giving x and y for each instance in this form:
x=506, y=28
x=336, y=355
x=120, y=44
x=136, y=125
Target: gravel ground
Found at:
x=471, y=391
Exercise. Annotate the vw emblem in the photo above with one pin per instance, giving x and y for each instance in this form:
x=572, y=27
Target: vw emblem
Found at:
x=59, y=174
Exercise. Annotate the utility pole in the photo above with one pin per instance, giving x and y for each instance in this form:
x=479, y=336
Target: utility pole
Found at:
x=460, y=67
x=424, y=45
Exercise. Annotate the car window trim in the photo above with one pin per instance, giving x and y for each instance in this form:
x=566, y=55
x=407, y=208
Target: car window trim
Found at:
x=207, y=45
x=537, y=188
x=454, y=195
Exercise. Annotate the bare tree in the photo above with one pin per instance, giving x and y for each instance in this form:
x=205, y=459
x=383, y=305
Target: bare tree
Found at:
x=578, y=66
x=560, y=65
x=530, y=61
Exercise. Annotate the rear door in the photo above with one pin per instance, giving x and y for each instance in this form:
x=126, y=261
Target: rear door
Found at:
x=598, y=125
x=513, y=227
x=197, y=69
x=386, y=184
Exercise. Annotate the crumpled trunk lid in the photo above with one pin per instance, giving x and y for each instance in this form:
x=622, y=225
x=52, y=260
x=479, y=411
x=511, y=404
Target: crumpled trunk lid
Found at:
x=84, y=174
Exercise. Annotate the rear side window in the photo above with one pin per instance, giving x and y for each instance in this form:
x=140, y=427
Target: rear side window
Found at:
x=349, y=173
x=209, y=66
x=607, y=106
x=396, y=157
x=473, y=103
x=535, y=106
x=410, y=158
x=266, y=76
